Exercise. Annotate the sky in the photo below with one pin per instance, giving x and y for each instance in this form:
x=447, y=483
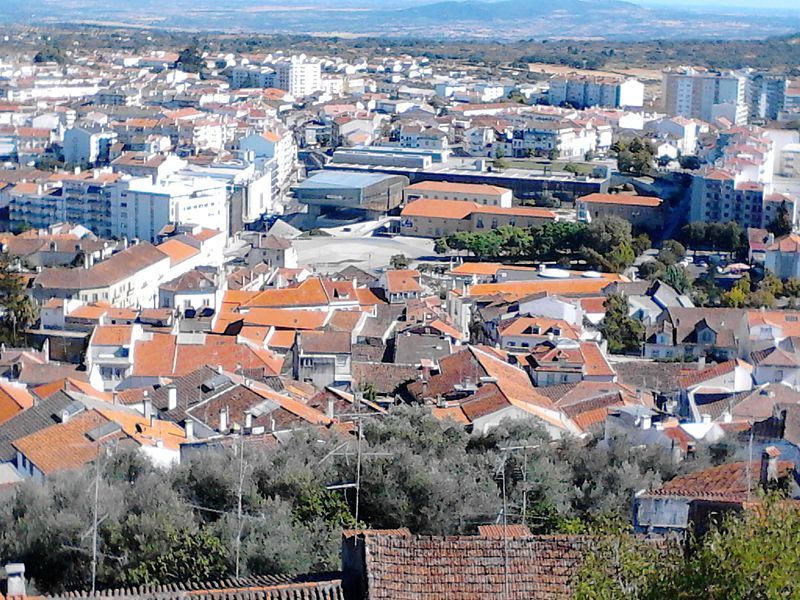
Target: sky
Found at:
x=791, y=4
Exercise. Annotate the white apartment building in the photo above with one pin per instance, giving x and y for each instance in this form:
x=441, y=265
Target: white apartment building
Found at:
x=253, y=191
x=789, y=165
x=85, y=146
x=564, y=139
x=586, y=92
x=141, y=208
x=706, y=95
x=278, y=144
x=299, y=76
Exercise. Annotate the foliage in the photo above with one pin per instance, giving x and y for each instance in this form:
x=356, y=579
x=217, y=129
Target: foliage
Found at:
x=607, y=244
x=619, y=565
x=671, y=252
x=191, y=60
x=16, y=307
x=651, y=270
x=782, y=223
x=678, y=277
x=399, y=261
x=737, y=296
x=623, y=333
x=50, y=53
x=634, y=157
x=754, y=555
x=181, y=524
x=728, y=237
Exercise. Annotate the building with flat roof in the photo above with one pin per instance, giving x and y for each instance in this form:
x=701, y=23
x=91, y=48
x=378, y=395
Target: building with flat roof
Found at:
x=525, y=184
x=350, y=195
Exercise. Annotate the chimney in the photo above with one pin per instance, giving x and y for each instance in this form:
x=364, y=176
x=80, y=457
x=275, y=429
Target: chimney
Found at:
x=646, y=422
x=769, y=466
x=15, y=572
x=701, y=363
x=220, y=370
x=147, y=406
x=172, y=397
x=152, y=421
x=115, y=397
x=248, y=420
x=223, y=420
x=189, y=429
x=330, y=412
x=705, y=419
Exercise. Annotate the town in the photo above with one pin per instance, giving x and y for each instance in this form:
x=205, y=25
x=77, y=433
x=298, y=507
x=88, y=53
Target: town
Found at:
x=363, y=325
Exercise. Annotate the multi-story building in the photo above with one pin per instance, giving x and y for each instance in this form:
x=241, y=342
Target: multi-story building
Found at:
x=706, y=95
x=563, y=139
x=585, y=92
x=88, y=146
x=298, y=76
x=140, y=208
x=766, y=95
x=639, y=211
x=276, y=144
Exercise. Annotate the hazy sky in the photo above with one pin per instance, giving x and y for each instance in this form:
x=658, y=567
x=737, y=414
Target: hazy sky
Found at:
x=792, y=4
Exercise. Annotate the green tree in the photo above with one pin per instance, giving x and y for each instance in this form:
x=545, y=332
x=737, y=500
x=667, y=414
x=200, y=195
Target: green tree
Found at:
x=678, y=277
x=738, y=294
x=440, y=246
x=782, y=223
x=694, y=235
x=399, y=261
x=651, y=270
x=752, y=555
x=635, y=157
x=671, y=252
x=623, y=333
x=17, y=309
x=607, y=244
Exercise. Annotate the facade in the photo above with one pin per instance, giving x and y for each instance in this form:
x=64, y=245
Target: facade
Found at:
x=706, y=95
x=141, y=208
x=278, y=145
x=361, y=194
x=85, y=146
x=783, y=256
x=489, y=195
x=640, y=211
x=586, y=92
x=440, y=218
x=299, y=76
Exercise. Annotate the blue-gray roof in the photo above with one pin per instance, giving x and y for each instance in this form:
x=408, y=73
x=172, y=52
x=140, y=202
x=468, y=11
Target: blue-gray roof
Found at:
x=342, y=179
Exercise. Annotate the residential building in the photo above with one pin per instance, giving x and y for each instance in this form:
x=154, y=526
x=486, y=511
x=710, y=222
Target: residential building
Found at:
x=696, y=93
x=586, y=92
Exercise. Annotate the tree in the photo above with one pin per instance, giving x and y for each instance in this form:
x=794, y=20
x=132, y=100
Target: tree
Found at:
x=635, y=157
x=399, y=261
x=782, y=223
x=651, y=270
x=752, y=555
x=440, y=246
x=738, y=294
x=642, y=243
x=607, y=244
x=190, y=60
x=694, y=235
x=623, y=333
x=17, y=309
x=671, y=252
x=678, y=277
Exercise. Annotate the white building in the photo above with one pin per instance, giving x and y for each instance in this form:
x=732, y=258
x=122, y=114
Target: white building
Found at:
x=277, y=144
x=141, y=208
x=298, y=76
x=85, y=146
x=705, y=95
x=586, y=92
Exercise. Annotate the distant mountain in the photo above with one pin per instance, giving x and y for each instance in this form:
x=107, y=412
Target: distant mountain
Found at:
x=514, y=10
